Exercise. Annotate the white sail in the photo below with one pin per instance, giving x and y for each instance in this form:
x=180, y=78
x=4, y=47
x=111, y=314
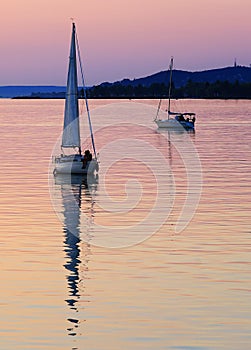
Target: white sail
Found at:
x=71, y=134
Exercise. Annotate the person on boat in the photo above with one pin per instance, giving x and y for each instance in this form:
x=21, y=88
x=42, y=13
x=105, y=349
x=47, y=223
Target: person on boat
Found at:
x=87, y=158
x=193, y=119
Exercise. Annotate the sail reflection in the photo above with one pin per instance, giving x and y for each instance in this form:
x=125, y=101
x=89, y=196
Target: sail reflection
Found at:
x=78, y=198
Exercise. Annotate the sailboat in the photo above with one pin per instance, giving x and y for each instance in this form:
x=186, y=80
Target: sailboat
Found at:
x=71, y=160
x=174, y=120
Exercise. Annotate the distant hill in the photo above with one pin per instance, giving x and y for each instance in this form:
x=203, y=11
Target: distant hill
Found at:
x=241, y=74
x=180, y=77
x=15, y=91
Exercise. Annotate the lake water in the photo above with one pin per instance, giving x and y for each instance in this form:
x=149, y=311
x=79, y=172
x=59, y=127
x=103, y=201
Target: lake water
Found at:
x=153, y=254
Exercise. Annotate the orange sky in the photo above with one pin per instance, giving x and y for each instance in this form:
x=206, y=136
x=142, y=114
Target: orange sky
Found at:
x=120, y=38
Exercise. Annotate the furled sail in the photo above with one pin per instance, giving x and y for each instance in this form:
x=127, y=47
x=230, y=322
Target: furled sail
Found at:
x=71, y=133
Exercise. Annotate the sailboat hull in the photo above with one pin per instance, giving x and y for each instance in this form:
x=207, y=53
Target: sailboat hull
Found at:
x=73, y=165
x=174, y=124
x=168, y=123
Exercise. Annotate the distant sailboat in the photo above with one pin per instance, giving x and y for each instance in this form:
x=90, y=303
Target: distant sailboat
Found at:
x=75, y=162
x=185, y=120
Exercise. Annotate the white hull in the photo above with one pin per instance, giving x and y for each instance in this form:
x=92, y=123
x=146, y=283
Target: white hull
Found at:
x=168, y=123
x=173, y=124
x=74, y=165
x=76, y=179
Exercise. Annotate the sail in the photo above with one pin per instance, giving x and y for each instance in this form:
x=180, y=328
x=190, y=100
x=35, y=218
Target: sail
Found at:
x=71, y=134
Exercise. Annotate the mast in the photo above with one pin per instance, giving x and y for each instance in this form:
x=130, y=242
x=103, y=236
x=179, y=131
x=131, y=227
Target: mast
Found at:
x=170, y=86
x=71, y=132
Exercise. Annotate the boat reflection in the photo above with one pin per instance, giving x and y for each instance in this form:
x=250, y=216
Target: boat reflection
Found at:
x=78, y=198
x=175, y=138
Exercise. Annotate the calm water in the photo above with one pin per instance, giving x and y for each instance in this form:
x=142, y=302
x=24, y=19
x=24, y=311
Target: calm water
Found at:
x=154, y=254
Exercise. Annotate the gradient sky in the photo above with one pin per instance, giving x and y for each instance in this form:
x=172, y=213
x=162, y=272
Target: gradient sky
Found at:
x=120, y=38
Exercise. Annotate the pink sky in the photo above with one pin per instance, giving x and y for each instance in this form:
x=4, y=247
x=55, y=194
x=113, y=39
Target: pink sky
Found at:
x=120, y=38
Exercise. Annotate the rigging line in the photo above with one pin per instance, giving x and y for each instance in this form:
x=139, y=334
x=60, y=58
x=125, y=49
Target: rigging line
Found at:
x=158, y=109
x=85, y=97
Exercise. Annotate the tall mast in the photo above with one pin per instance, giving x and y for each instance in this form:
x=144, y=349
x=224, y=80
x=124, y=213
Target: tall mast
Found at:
x=170, y=85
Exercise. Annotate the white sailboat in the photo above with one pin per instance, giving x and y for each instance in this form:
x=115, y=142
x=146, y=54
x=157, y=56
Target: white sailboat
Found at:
x=175, y=120
x=74, y=162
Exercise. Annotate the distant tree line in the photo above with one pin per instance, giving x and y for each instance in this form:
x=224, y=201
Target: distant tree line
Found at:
x=200, y=90
x=216, y=90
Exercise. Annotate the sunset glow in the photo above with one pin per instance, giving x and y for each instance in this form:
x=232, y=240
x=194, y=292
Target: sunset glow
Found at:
x=120, y=39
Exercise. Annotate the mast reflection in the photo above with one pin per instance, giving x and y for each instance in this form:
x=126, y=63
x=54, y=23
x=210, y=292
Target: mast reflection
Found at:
x=78, y=198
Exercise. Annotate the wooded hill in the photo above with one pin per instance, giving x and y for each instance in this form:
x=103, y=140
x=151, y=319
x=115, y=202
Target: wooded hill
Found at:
x=230, y=82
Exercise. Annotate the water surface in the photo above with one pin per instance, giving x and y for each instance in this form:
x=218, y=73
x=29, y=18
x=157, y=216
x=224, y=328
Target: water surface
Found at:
x=80, y=272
